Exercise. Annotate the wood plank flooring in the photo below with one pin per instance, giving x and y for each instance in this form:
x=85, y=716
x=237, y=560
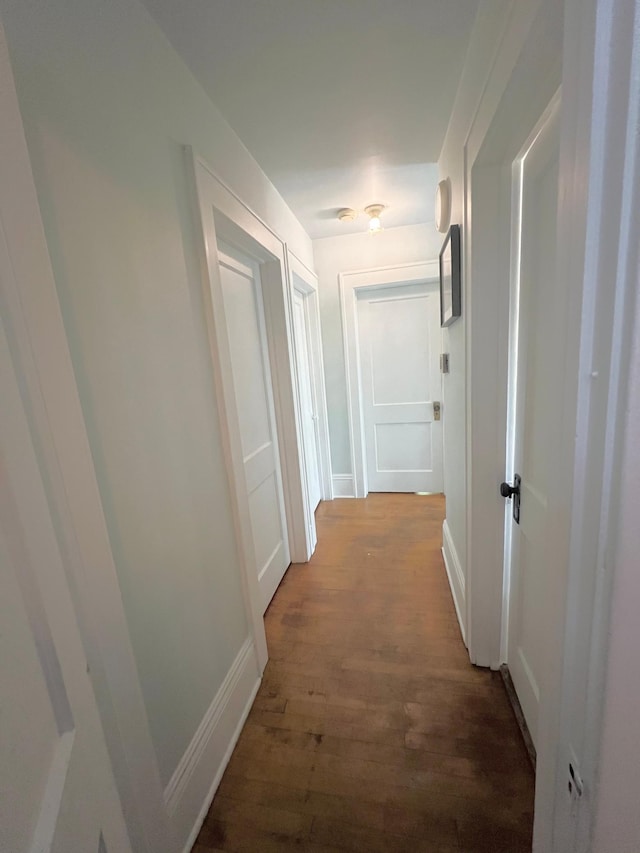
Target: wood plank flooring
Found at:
x=371, y=730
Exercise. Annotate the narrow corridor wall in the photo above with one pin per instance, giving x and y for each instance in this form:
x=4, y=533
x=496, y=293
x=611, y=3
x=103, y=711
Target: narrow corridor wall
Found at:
x=107, y=106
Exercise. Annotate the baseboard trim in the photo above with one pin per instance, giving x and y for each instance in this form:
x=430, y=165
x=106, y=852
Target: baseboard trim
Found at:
x=190, y=790
x=343, y=486
x=518, y=714
x=456, y=578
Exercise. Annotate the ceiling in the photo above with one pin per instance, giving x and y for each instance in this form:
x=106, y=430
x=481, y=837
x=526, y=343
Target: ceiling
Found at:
x=343, y=103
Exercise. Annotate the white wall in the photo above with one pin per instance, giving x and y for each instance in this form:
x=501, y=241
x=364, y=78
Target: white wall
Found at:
x=616, y=813
x=107, y=106
x=334, y=255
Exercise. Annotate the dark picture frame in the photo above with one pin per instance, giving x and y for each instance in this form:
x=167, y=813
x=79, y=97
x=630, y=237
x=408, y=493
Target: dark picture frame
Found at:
x=450, y=278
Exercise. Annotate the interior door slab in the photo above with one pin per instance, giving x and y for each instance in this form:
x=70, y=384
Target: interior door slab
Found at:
x=308, y=403
x=534, y=426
x=244, y=310
x=399, y=345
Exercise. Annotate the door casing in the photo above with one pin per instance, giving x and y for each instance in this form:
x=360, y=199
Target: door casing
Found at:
x=222, y=216
x=597, y=181
x=529, y=683
x=305, y=282
x=350, y=284
x=262, y=465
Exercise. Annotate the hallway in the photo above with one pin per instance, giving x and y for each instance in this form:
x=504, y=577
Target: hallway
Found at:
x=371, y=731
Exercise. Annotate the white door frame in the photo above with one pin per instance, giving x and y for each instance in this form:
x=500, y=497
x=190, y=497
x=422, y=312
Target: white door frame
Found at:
x=223, y=214
x=516, y=176
x=351, y=284
x=503, y=120
x=40, y=352
x=306, y=282
x=493, y=209
x=247, y=266
x=597, y=263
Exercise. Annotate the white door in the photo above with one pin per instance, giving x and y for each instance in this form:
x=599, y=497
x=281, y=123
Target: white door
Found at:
x=57, y=791
x=307, y=399
x=534, y=419
x=399, y=344
x=243, y=305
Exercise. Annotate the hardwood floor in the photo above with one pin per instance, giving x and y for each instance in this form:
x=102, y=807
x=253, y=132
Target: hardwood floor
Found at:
x=371, y=730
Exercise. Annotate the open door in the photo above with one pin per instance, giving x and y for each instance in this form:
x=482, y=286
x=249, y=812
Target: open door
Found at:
x=308, y=407
x=250, y=366
x=532, y=390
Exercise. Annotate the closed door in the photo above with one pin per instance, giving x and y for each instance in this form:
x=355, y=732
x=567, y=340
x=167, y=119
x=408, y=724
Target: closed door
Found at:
x=307, y=400
x=399, y=345
x=57, y=791
x=534, y=419
x=243, y=305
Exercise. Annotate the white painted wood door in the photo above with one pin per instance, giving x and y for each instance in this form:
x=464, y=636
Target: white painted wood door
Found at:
x=308, y=404
x=399, y=345
x=244, y=310
x=534, y=419
x=57, y=791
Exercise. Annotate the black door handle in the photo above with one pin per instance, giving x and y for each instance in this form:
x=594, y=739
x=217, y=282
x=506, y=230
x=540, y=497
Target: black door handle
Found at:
x=508, y=491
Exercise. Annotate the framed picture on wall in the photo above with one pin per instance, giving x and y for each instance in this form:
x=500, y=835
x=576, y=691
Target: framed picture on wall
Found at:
x=450, y=284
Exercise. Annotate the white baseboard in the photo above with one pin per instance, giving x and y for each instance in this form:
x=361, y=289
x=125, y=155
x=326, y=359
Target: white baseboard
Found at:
x=343, y=486
x=456, y=578
x=197, y=776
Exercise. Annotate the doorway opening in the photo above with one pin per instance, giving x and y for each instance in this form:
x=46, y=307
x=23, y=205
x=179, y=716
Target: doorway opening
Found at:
x=248, y=315
x=533, y=396
x=392, y=345
x=243, y=299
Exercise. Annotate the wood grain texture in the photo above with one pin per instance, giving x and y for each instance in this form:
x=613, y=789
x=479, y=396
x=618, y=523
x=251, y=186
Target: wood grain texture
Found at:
x=371, y=730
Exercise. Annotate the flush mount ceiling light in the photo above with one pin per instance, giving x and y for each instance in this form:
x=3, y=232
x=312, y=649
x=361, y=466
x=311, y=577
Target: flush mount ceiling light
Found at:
x=347, y=214
x=374, y=212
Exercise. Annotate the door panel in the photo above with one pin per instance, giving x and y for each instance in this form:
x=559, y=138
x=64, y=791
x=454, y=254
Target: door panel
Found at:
x=399, y=344
x=534, y=425
x=403, y=445
x=242, y=294
x=307, y=400
x=57, y=791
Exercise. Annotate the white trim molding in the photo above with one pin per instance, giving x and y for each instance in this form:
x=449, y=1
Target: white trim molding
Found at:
x=205, y=759
x=351, y=283
x=306, y=281
x=343, y=486
x=456, y=578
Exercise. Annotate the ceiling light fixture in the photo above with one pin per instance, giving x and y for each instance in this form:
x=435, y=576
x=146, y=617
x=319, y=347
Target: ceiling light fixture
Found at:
x=347, y=214
x=374, y=211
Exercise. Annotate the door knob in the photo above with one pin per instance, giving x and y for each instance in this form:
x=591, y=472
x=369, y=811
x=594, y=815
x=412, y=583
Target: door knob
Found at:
x=508, y=491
